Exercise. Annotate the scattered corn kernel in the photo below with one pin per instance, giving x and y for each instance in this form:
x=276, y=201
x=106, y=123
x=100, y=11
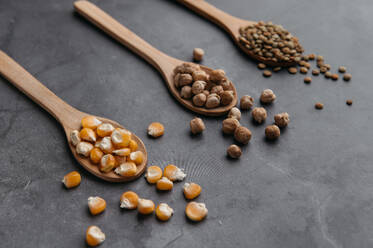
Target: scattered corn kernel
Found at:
x=127, y=169
x=164, y=212
x=104, y=129
x=84, y=148
x=107, y=163
x=145, y=206
x=136, y=157
x=133, y=145
x=96, y=155
x=94, y=236
x=90, y=122
x=155, y=129
x=174, y=173
x=164, y=184
x=105, y=145
x=191, y=190
x=196, y=211
x=75, y=137
x=72, y=179
x=88, y=134
x=129, y=200
x=121, y=137
x=122, y=152
x=96, y=205
x=153, y=174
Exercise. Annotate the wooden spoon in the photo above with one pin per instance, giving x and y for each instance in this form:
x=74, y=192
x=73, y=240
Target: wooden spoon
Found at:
x=162, y=62
x=69, y=117
x=231, y=25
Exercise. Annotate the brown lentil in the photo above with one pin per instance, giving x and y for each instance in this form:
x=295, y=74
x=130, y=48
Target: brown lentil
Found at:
x=307, y=65
x=303, y=70
x=277, y=69
x=267, y=73
x=312, y=56
x=307, y=80
x=347, y=77
x=292, y=70
x=328, y=74
x=349, y=102
x=319, y=105
x=315, y=72
x=323, y=69
x=342, y=69
x=334, y=77
x=262, y=66
x=319, y=58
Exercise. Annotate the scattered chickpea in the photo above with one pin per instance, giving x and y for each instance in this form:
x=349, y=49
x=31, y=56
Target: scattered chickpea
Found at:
x=198, y=87
x=213, y=100
x=242, y=135
x=234, y=113
x=234, y=151
x=199, y=100
x=272, y=132
x=347, y=77
x=198, y=54
x=319, y=105
x=349, y=102
x=186, y=92
x=292, y=70
x=230, y=125
x=227, y=97
x=197, y=126
x=246, y=102
x=282, y=119
x=267, y=73
x=267, y=96
x=307, y=80
x=259, y=114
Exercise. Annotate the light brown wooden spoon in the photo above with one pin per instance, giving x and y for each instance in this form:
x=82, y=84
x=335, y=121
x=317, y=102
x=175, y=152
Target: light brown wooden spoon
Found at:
x=162, y=62
x=231, y=25
x=69, y=117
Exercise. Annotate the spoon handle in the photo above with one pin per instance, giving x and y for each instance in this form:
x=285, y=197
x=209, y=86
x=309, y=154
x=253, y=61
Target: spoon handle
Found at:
x=123, y=35
x=31, y=87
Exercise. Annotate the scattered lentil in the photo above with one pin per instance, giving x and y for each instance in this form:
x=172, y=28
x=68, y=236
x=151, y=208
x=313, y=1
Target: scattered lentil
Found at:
x=349, y=102
x=319, y=105
x=311, y=56
x=307, y=80
x=303, y=70
x=328, y=74
x=315, y=72
x=262, y=66
x=342, y=69
x=347, y=77
x=335, y=76
x=292, y=70
x=277, y=69
x=267, y=73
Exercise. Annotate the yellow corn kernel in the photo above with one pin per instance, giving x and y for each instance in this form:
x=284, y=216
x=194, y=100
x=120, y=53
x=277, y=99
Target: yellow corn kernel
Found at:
x=122, y=152
x=155, y=129
x=96, y=205
x=127, y=169
x=145, y=206
x=84, y=148
x=87, y=134
x=174, y=173
x=133, y=145
x=191, y=190
x=105, y=129
x=72, y=179
x=164, y=184
x=164, y=212
x=129, y=200
x=90, y=122
x=96, y=155
x=136, y=157
x=105, y=145
x=107, y=163
x=75, y=137
x=196, y=211
x=153, y=174
x=121, y=138
x=94, y=236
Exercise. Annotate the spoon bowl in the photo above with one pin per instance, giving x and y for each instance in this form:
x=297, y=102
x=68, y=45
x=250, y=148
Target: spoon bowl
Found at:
x=69, y=117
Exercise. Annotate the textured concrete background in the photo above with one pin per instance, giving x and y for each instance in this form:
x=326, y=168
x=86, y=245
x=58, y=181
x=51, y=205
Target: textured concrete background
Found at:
x=312, y=188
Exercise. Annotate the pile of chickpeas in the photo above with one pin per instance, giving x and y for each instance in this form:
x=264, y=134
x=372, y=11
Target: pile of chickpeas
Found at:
x=207, y=89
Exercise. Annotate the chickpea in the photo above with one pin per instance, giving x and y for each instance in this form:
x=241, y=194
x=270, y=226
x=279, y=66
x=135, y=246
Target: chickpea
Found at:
x=234, y=113
x=246, y=102
x=217, y=89
x=185, y=79
x=234, y=151
x=213, y=100
x=227, y=97
x=200, y=76
x=230, y=125
x=242, y=135
x=267, y=96
x=206, y=92
x=272, y=132
x=259, y=114
x=217, y=76
x=198, y=87
x=197, y=126
x=226, y=84
x=188, y=68
x=199, y=100
x=198, y=54
x=176, y=80
x=186, y=92
x=282, y=119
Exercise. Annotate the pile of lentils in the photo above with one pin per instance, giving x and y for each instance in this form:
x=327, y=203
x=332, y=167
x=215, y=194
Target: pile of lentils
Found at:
x=208, y=89
x=271, y=41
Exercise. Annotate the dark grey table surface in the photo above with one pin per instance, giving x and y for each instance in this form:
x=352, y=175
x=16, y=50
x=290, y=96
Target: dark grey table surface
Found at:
x=311, y=188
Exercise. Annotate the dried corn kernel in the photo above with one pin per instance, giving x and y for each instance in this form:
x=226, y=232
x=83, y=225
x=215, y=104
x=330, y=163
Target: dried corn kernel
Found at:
x=153, y=174
x=72, y=179
x=133, y=145
x=127, y=169
x=105, y=145
x=96, y=205
x=84, y=148
x=191, y=190
x=120, y=160
x=107, y=163
x=87, y=134
x=90, y=122
x=75, y=137
x=164, y=184
x=164, y=212
x=145, y=206
x=174, y=173
x=104, y=129
x=136, y=157
x=156, y=129
x=122, y=152
x=94, y=236
x=196, y=211
x=121, y=137
x=96, y=155
x=129, y=200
